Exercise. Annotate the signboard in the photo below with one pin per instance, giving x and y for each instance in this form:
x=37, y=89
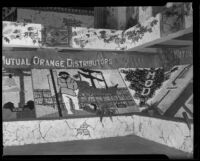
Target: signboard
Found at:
x=143, y=82
x=50, y=59
x=171, y=57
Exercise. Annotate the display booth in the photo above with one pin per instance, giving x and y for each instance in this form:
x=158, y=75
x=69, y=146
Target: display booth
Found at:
x=54, y=94
x=45, y=91
x=95, y=80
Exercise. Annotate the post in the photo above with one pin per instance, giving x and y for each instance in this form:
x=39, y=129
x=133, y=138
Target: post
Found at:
x=56, y=94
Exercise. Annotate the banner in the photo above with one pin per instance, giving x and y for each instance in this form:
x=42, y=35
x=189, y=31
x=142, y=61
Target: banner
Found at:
x=51, y=59
x=171, y=57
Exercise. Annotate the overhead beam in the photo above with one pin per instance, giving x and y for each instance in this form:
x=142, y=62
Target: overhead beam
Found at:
x=177, y=42
x=148, y=50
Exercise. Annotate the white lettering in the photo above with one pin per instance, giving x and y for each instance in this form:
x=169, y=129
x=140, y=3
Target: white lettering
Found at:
x=151, y=75
x=52, y=62
x=27, y=62
x=7, y=61
x=57, y=64
x=36, y=60
x=17, y=61
x=69, y=62
x=12, y=60
x=23, y=62
x=62, y=63
x=42, y=61
x=145, y=91
x=148, y=83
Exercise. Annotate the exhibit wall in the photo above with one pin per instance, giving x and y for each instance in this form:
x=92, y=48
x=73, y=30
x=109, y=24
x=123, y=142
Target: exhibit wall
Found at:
x=36, y=87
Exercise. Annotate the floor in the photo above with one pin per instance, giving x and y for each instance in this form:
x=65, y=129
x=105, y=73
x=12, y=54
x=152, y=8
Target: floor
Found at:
x=116, y=145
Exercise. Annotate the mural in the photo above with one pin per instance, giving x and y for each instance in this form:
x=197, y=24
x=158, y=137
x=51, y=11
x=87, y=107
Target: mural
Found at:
x=84, y=91
x=162, y=92
x=51, y=93
x=76, y=92
x=29, y=94
x=17, y=94
x=144, y=82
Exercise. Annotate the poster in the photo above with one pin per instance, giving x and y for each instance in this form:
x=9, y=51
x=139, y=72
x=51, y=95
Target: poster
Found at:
x=167, y=92
x=82, y=92
x=41, y=93
x=17, y=94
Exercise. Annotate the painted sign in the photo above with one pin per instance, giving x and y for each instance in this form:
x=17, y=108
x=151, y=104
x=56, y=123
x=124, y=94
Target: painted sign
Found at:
x=50, y=59
x=84, y=91
x=171, y=57
x=144, y=82
x=79, y=92
x=17, y=94
x=69, y=63
x=157, y=88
